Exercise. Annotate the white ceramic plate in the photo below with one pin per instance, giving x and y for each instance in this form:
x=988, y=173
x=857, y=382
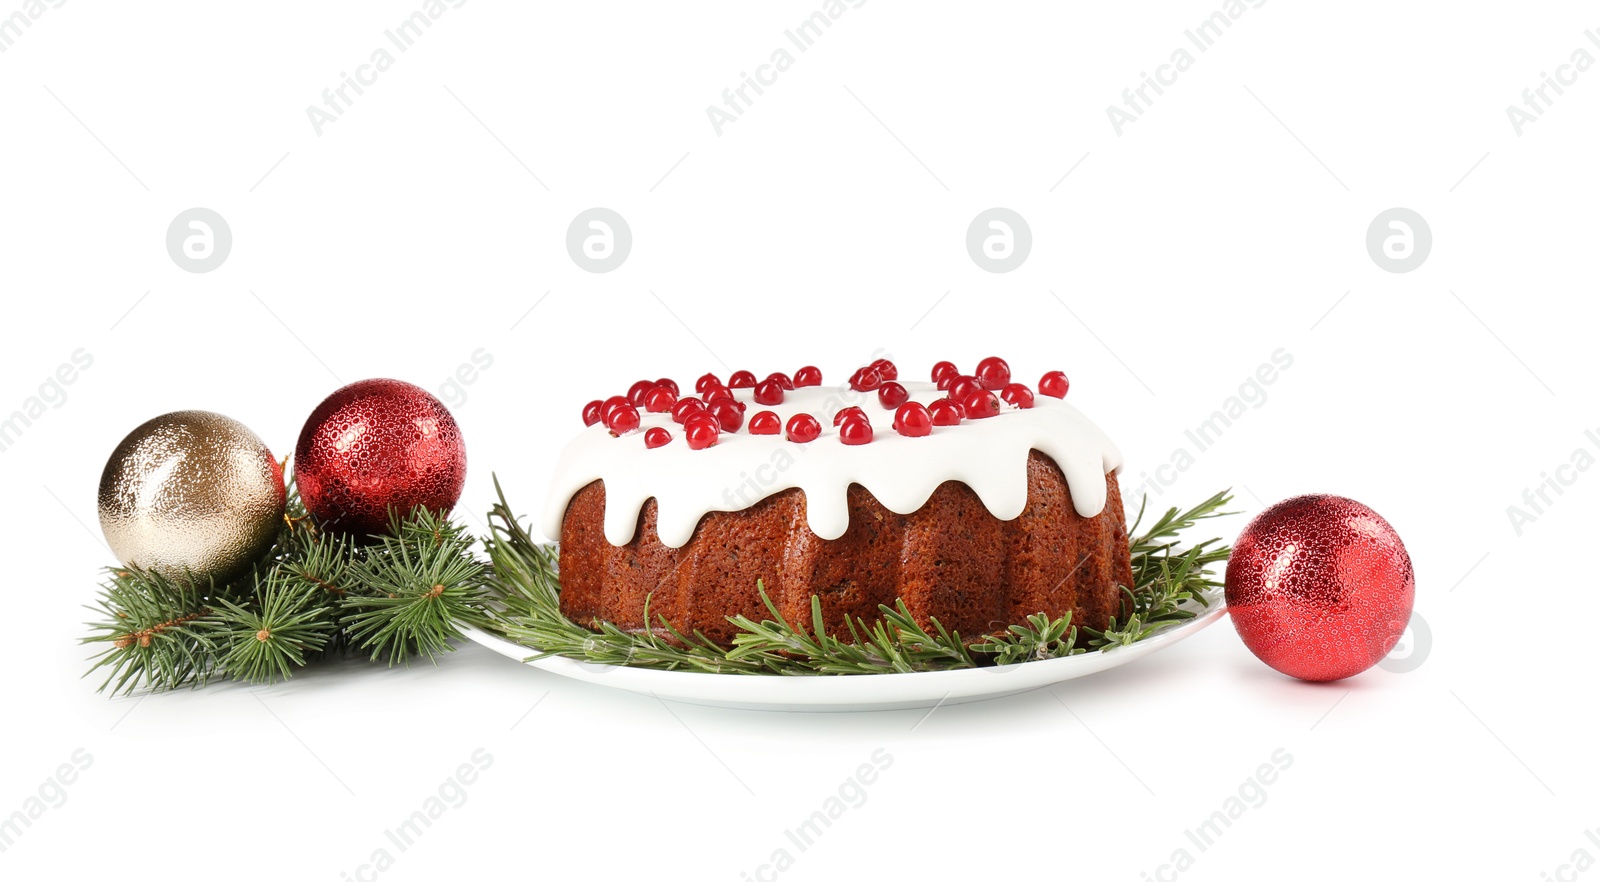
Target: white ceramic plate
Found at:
x=852, y=692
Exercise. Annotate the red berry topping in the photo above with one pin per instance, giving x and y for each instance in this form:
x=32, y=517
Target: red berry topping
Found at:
x=669, y=384
x=804, y=428
x=855, y=432
x=962, y=386
x=730, y=416
x=946, y=412
x=943, y=371
x=765, y=423
x=980, y=404
x=656, y=437
x=913, y=420
x=592, y=411
x=1017, y=395
x=782, y=379
x=1053, y=384
x=685, y=408
x=741, y=380
x=712, y=393
x=610, y=404
x=660, y=400
x=768, y=392
x=808, y=376
x=865, y=380
x=849, y=413
x=705, y=382
x=623, y=418
x=886, y=369
x=993, y=372
x=893, y=395
x=638, y=391
x=701, y=431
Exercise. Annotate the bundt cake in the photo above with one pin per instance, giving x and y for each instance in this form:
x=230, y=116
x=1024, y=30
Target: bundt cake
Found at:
x=971, y=498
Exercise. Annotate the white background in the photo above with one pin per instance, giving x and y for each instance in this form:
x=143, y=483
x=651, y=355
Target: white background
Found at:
x=1227, y=223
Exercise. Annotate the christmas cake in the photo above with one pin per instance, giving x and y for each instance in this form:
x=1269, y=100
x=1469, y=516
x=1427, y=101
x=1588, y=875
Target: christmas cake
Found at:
x=976, y=500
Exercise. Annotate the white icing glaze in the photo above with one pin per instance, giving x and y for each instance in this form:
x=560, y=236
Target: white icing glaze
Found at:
x=989, y=455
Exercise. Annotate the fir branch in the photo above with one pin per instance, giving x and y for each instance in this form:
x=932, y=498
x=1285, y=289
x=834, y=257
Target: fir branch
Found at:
x=311, y=596
x=157, y=633
x=322, y=564
x=1168, y=584
x=411, y=592
x=266, y=639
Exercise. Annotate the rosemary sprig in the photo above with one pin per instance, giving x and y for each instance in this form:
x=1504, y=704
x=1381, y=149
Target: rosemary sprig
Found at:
x=1168, y=583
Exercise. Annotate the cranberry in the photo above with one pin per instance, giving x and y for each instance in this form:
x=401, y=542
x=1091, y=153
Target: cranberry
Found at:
x=638, y=391
x=782, y=379
x=946, y=412
x=700, y=432
x=765, y=423
x=993, y=372
x=848, y=414
x=980, y=404
x=855, y=432
x=886, y=369
x=669, y=384
x=741, y=380
x=945, y=370
x=768, y=392
x=729, y=415
x=713, y=393
x=706, y=382
x=803, y=427
x=623, y=418
x=913, y=420
x=591, y=412
x=656, y=437
x=1017, y=395
x=808, y=376
x=893, y=395
x=1053, y=384
x=962, y=386
x=610, y=404
x=685, y=408
x=660, y=400
x=865, y=380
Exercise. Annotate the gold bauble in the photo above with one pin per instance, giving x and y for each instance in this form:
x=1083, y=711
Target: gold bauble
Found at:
x=191, y=494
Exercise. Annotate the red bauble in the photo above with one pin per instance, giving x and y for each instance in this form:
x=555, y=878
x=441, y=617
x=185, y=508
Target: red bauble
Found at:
x=1320, y=587
x=377, y=445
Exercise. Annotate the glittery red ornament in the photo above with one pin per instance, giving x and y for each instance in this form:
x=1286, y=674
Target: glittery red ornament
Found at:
x=1320, y=587
x=376, y=445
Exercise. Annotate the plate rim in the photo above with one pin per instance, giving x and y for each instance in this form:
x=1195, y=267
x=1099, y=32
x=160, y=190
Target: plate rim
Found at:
x=851, y=691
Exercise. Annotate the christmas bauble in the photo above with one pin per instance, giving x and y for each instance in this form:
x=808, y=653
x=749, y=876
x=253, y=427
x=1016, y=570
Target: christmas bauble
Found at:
x=191, y=493
x=1320, y=587
x=375, y=446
